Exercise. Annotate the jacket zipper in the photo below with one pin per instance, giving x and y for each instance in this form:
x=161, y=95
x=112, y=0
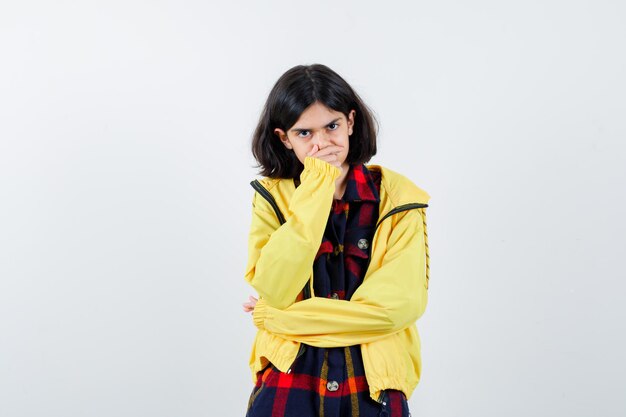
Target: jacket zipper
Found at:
x=263, y=191
x=307, y=293
x=397, y=209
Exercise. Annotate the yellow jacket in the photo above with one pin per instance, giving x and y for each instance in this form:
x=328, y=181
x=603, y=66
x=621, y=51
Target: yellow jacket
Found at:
x=286, y=231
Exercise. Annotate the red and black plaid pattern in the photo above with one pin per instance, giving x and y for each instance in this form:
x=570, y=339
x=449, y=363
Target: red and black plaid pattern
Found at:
x=331, y=381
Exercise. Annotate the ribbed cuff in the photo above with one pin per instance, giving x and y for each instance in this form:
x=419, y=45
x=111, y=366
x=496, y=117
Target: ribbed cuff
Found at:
x=318, y=166
x=259, y=313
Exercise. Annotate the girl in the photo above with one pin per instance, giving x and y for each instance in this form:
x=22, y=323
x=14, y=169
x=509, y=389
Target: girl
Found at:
x=338, y=254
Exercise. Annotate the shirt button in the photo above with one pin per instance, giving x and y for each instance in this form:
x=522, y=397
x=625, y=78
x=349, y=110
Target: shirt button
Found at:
x=332, y=386
x=335, y=296
x=363, y=244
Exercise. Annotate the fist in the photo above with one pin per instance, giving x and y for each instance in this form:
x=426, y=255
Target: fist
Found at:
x=329, y=154
x=248, y=306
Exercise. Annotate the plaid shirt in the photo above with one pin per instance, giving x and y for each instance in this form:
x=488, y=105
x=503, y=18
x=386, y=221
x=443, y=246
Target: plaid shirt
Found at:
x=331, y=381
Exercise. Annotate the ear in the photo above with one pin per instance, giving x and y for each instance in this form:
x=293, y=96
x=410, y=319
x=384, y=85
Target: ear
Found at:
x=351, y=121
x=283, y=138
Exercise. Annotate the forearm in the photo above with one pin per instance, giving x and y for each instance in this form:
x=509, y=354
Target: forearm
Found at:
x=331, y=323
x=391, y=298
x=281, y=256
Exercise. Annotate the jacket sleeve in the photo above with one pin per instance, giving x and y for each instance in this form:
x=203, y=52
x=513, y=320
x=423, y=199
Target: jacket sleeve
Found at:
x=280, y=257
x=389, y=299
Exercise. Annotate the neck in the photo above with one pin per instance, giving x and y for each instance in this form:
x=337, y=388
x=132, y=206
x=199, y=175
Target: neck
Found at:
x=341, y=182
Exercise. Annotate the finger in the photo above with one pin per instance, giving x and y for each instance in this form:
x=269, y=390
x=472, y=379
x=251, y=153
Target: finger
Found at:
x=314, y=149
x=324, y=153
x=331, y=159
x=332, y=149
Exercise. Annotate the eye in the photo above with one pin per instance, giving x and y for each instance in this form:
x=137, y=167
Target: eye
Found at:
x=333, y=124
x=301, y=132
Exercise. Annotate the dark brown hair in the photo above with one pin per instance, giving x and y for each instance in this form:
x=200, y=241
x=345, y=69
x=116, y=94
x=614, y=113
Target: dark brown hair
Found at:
x=294, y=91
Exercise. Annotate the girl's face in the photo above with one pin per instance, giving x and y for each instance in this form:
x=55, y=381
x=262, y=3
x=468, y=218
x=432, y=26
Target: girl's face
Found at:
x=321, y=126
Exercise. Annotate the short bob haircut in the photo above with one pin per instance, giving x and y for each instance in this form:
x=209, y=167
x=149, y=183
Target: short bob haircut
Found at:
x=294, y=91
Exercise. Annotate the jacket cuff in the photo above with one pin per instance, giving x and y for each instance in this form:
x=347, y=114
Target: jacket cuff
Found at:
x=259, y=313
x=317, y=166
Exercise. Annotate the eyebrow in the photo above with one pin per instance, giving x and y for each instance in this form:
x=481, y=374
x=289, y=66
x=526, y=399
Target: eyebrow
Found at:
x=300, y=129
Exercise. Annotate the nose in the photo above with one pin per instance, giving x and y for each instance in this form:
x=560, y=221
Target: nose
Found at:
x=322, y=139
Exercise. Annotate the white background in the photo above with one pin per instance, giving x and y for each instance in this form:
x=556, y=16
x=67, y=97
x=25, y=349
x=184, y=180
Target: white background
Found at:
x=125, y=165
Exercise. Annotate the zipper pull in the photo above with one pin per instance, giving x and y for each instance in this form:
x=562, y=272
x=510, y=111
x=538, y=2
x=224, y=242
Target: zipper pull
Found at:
x=382, y=399
x=300, y=352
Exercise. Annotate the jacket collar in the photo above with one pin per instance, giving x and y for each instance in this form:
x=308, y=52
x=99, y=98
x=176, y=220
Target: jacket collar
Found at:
x=396, y=189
